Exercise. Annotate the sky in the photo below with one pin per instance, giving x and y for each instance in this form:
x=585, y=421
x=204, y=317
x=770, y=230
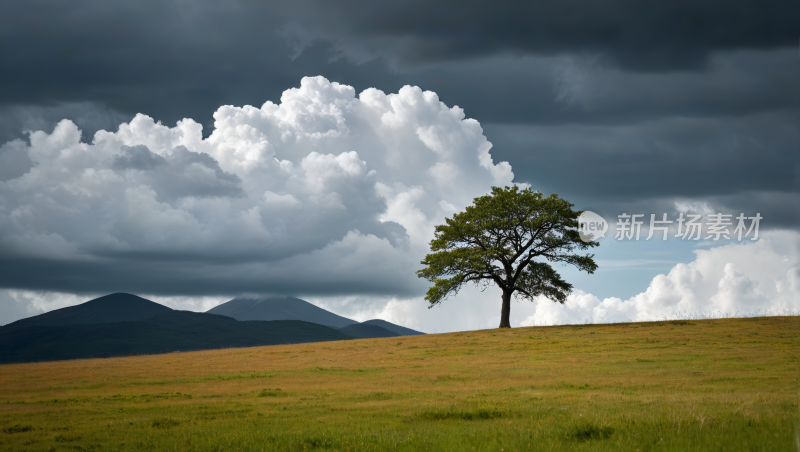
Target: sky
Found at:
x=194, y=151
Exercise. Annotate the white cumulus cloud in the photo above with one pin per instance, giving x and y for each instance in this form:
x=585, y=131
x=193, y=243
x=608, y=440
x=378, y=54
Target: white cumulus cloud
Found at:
x=736, y=278
x=326, y=192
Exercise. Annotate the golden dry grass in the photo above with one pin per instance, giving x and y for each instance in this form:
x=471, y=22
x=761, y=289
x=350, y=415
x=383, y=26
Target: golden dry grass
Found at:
x=728, y=384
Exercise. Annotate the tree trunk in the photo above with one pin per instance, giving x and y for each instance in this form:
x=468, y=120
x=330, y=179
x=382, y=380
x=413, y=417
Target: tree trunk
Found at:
x=505, y=312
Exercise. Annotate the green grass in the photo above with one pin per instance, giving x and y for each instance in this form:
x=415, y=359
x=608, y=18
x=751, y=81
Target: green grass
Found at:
x=719, y=385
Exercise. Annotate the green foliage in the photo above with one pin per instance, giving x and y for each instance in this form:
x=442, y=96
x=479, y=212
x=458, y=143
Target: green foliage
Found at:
x=508, y=238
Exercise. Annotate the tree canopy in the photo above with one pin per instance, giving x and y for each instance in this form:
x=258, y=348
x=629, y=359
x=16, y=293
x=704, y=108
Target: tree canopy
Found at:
x=507, y=238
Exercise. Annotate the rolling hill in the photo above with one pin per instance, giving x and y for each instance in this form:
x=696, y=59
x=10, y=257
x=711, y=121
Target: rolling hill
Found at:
x=700, y=385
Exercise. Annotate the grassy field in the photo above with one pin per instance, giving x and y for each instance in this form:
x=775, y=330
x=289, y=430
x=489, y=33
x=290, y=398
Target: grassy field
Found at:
x=729, y=384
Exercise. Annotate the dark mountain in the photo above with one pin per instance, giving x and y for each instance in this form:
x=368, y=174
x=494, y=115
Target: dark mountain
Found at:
x=122, y=324
x=174, y=331
x=363, y=331
x=275, y=308
x=117, y=307
x=400, y=330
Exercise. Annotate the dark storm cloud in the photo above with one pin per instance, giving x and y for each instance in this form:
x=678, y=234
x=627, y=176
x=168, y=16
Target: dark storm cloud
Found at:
x=584, y=90
x=749, y=164
x=169, y=277
x=642, y=36
x=692, y=156
x=174, y=59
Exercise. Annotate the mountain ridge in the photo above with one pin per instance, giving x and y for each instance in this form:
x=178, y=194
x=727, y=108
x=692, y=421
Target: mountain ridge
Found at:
x=123, y=324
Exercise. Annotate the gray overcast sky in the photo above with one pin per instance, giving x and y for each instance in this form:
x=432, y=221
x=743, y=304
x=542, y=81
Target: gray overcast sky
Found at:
x=617, y=106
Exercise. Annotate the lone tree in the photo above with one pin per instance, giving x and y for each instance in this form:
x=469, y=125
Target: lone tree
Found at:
x=505, y=238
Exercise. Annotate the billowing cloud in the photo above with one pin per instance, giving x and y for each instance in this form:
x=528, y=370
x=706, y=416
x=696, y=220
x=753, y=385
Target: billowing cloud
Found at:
x=324, y=192
x=758, y=277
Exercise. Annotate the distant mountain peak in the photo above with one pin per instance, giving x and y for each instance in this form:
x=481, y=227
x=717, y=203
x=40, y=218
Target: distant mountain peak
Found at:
x=248, y=307
x=279, y=308
x=115, y=307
